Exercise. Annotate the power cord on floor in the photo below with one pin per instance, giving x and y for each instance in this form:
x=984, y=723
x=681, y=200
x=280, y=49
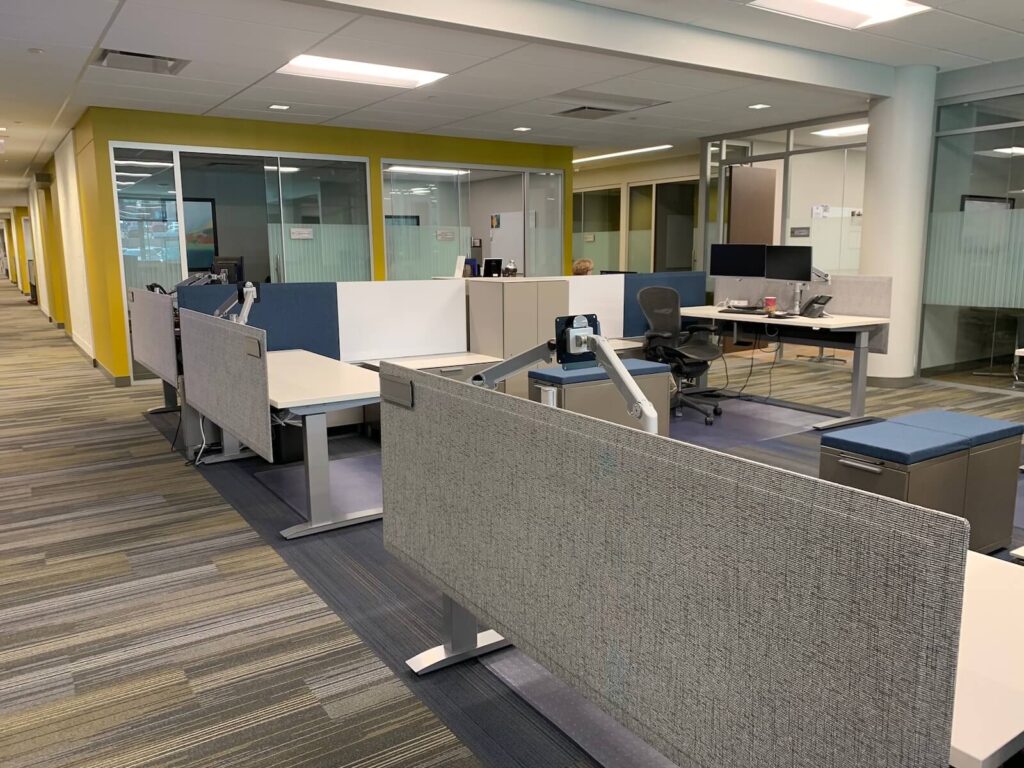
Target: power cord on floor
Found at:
x=174, y=442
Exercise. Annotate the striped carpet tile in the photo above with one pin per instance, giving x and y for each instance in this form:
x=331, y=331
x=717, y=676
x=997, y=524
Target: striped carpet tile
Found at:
x=143, y=623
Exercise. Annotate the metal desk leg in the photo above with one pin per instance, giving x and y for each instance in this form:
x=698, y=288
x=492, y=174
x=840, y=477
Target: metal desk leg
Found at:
x=858, y=387
x=462, y=641
x=170, y=400
x=320, y=514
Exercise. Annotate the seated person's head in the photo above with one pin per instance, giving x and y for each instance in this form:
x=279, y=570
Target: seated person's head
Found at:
x=582, y=267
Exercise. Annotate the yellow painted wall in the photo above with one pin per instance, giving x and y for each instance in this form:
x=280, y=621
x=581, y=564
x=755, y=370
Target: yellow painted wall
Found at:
x=53, y=245
x=101, y=126
x=21, y=213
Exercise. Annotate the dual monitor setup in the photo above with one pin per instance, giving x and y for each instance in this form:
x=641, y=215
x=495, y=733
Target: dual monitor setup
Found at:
x=774, y=262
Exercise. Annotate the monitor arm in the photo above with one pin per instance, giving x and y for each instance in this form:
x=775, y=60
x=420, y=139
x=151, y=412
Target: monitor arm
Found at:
x=491, y=377
x=250, y=296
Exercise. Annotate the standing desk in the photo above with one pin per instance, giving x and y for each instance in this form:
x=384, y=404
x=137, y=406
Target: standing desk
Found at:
x=988, y=710
x=311, y=386
x=835, y=332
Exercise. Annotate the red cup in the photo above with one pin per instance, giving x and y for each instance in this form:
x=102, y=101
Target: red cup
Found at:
x=770, y=304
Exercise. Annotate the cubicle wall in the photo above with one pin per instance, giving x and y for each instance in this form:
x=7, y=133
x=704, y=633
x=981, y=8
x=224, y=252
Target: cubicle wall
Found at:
x=225, y=371
x=863, y=295
x=152, y=328
x=730, y=613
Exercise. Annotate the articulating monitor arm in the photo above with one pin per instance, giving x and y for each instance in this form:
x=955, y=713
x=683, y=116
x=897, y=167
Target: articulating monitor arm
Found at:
x=497, y=373
x=247, y=296
x=639, y=406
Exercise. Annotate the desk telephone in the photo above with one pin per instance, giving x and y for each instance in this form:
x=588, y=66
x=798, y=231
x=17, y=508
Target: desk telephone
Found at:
x=815, y=307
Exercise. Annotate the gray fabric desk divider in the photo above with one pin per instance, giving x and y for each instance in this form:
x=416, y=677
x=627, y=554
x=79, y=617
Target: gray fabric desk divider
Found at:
x=225, y=369
x=730, y=613
x=153, y=341
x=864, y=295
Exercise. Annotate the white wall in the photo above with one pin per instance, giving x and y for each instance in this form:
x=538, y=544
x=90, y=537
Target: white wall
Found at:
x=38, y=249
x=65, y=195
x=660, y=169
x=501, y=195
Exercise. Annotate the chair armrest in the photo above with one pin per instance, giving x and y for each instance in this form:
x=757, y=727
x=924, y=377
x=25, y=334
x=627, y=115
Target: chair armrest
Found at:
x=649, y=334
x=699, y=328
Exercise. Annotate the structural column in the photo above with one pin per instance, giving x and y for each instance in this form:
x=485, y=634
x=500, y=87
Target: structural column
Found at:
x=897, y=180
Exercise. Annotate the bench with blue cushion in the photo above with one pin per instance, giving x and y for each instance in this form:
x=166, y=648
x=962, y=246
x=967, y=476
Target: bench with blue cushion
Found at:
x=556, y=374
x=891, y=441
x=977, y=430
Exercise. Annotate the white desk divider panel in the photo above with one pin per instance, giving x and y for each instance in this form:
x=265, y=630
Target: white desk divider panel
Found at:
x=401, y=318
x=225, y=369
x=728, y=612
x=153, y=340
x=601, y=295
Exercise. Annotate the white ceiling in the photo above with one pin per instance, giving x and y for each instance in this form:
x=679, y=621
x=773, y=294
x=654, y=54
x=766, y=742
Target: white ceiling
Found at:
x=496, y=83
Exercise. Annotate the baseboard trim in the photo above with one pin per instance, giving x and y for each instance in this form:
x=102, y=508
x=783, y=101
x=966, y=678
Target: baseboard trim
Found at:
x=117, y=381
x=887, y=383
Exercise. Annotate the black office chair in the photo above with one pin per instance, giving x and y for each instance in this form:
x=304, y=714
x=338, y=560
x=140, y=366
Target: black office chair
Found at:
x=689, y=351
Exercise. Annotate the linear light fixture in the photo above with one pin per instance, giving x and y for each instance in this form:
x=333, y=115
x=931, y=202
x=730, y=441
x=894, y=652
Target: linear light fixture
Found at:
x=1010, y=151
x=622, y=154
x=279, y=107
x=358, y=72
x=848, y=14
x=144, y=163
x=522, y=129
x=427, y=171
x=760, y=106
x=843, y=132
x=134, y=175
x=282, y=169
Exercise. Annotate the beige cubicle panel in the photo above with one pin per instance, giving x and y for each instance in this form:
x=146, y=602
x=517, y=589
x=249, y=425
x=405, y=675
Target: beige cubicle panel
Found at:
x=511, y=315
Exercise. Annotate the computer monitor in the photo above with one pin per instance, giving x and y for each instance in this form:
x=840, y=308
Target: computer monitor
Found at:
x=492, y=267
x=737, y=260
x=789, y=262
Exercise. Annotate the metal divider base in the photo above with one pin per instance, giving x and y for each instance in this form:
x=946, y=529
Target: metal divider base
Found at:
x=462, y=640
x=349, y=518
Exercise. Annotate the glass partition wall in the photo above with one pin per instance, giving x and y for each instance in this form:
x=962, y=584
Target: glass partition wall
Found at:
x=817, y=172
x=973, y=318
x=436, y=214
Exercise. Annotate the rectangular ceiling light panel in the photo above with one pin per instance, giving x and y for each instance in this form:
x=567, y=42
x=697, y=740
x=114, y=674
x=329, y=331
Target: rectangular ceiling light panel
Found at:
x=848, y=14
x=358, y=72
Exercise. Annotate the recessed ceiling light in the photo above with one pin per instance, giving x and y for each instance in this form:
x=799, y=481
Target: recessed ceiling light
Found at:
x=848, y=14
x=427, y=171
x=282, y=169
x=359, y=72
x=522, y=129
x=3, y=130
x=134, y=175
x=624, y=153
x=760, y=106
x=1010, y=151
x=281, y=107
x=36, y=50
x=860, y=129
x=144, y=163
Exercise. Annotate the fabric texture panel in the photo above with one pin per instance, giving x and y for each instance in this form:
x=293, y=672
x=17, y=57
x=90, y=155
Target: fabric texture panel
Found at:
x=730, y=613
x=153, y=340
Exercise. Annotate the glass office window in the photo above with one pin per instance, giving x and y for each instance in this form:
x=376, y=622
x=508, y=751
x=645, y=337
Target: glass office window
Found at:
x=597, y=236
x=675, y=219
x=640, y=246
x=326, y=233
x=148, y=217
x=826, y=207
x=426, y=221
x=973, y=316
x=544, y=239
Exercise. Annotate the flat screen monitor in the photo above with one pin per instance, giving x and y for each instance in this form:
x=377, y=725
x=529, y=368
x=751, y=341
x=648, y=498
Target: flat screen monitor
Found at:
x=789, y=262
x=737, y=260
x=492, y=267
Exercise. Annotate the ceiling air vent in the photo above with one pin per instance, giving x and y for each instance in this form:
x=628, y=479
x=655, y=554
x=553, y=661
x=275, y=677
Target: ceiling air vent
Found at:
x=140, y=62
x=590, y=113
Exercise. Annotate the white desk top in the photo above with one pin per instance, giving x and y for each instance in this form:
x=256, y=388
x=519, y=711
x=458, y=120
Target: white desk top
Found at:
x=988, y=711
x=437, y=361
x=832, y=323
x=297, y=378
x=624, y=345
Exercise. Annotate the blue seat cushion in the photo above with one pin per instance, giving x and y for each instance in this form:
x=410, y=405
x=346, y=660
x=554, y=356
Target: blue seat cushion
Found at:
x=890, y=441
x=976, y=429
x=556, y=374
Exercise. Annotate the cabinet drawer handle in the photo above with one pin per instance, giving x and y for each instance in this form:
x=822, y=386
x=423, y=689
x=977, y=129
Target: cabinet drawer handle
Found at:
x=457, y=369
x=862, y=467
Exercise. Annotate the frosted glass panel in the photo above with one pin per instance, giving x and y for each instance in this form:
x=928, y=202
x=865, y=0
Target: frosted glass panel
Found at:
x=418, y=252
x=544, y=224
x=596, y=233
x=325, y=253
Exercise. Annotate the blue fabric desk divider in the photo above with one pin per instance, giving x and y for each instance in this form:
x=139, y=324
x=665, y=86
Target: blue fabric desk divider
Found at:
x=294, y=315
x=691, y=287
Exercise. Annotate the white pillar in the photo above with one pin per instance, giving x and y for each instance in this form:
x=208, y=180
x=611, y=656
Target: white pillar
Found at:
x=896, y=203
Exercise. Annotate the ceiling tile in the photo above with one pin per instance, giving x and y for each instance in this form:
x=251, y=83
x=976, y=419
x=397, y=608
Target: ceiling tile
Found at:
x=283, y=89
x=227, y=110
x=955, y=33
x=554, y=57
x=273, y=12
x=646, y=89
x=41, y=23
x=100, y=76
x=95, y=94
x=260, y=106
x=1003, y=13
x=430, y=37
x=391, y=120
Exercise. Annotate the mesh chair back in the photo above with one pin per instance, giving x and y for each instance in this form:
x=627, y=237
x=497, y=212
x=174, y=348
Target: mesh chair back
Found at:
x=660, y=305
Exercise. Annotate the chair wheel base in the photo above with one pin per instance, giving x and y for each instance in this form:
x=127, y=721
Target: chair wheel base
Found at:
x=708, y=420
x=718, y=410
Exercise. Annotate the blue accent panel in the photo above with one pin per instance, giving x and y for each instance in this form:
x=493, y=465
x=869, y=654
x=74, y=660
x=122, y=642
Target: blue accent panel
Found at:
x=294, y=315
x=558, y=375
x=976, y=429
x=691, y=287
x=890, y=441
